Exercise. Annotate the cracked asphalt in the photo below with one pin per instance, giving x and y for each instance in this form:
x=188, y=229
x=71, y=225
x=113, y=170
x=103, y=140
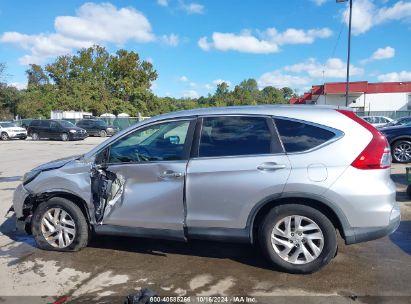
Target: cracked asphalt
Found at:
x=112, y=267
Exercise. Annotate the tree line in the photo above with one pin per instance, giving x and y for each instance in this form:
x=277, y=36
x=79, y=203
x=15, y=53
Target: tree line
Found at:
x=96, y=81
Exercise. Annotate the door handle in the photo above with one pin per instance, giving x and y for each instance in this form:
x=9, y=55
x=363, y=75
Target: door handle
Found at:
x=169, y=174
x=270, y=166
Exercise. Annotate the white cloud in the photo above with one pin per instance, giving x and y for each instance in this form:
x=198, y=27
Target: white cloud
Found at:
x=279, y=80
x=366, y=14
x=171, y=40
x=395, y=76
x=162, y=2
x=266, y=42
x=380, y=54
x=333, y=68
x=190, y=94
x=19, y=85
x=219, y=81
x=93, y=24
x=183, y=78
x=192, y=8
x=319, y=2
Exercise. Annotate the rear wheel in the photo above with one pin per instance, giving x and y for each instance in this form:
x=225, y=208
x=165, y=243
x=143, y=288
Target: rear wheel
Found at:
x=64, y=136
x=4, y=136
x=103, y=133
x=297, y=238
x=58, y=224
x=401, y=151
x=34, y=136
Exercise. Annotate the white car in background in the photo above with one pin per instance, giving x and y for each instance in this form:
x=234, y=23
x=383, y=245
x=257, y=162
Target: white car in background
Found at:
x=11, y=130
x=377, y=121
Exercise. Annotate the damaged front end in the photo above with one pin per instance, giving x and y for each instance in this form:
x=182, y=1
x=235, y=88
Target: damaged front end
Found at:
x=107, y=189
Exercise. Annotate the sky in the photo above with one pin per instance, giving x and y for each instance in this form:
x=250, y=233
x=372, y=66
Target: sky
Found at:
x=196, y=44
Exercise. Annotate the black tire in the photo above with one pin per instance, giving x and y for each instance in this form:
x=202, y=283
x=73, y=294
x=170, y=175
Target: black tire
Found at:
x=34, y=136
x=102, y=133
x=397, y=144
x=4, y=136
x=64, y=137
x=23, y=138
x=329, y=233
x=81, y=226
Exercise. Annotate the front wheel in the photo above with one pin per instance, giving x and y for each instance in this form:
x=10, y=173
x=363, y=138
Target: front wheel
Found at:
x=297, y=238
x=64, y=137
x=4, y=136
x=58, y=224
x=103, y=133
x=401, y=151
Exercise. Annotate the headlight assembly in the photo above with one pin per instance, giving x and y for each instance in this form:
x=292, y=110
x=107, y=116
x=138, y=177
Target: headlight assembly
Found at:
x=29, y=176
x=73, y=131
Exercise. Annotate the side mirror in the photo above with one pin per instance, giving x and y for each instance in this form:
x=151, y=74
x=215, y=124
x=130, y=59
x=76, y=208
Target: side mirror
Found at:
x=175, y=139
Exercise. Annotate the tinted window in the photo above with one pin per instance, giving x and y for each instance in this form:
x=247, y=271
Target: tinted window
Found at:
x=160, y=142
x=54, y=125
x=35, y=123
x=66, y=124
x=234, y=135
x=298, y=136
x=45, y=123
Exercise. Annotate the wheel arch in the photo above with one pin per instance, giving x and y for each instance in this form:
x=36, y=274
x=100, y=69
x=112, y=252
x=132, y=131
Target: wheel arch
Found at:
x=402, y=137
x=39, y=198
x=333, y=212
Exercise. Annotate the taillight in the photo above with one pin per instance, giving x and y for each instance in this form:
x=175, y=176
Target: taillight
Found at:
x=376, y=154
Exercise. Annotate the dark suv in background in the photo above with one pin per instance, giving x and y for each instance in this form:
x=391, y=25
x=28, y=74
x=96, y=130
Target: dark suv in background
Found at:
x=97, y=127
x=55, y=129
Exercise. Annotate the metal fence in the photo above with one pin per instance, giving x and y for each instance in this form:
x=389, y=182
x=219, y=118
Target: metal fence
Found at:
x=390, y=114
x=120, y=122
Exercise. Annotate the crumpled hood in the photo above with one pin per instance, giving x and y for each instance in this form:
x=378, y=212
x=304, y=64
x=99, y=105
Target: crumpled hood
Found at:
x=55, y=164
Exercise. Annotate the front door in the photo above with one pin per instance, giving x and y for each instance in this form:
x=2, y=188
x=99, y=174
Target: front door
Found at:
x=150, y=163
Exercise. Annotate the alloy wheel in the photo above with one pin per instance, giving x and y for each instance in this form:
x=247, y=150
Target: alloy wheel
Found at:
x=402, y=152
x=4, y=136
x=34, y=136
x=297, y=239
x=64, y=137
x=58, y=227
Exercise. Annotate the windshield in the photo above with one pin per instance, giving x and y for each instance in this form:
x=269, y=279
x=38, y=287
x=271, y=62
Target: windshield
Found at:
x=66, y=124
x=7, y=124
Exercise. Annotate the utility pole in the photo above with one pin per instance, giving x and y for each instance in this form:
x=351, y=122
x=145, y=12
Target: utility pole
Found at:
x=348, y=53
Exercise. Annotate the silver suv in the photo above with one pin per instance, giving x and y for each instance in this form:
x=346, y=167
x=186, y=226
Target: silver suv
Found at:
x=287, y=177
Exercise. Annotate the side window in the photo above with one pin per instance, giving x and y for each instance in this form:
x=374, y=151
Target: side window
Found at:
x=45, y=123
x=160, y=142
x=234, y=135
x=54, y=125
x=298, y=136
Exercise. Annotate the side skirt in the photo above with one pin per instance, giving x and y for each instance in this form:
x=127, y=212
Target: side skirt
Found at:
x=166, y=234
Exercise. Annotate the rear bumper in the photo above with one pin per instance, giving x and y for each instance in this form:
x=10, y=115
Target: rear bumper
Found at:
x=364, y=234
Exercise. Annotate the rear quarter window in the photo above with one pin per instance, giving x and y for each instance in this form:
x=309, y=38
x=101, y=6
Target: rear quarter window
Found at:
x=299, y=136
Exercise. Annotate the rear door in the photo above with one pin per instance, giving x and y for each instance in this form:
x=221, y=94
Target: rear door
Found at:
x=238, y=162
x=44, y=129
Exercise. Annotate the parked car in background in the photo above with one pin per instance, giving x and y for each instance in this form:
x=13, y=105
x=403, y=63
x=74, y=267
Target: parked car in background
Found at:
x=11, y=130
x=284, y=177
x=55, y=129
x=97, y=127
x=399, y=122
x=399, y=138
x=377, y=121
